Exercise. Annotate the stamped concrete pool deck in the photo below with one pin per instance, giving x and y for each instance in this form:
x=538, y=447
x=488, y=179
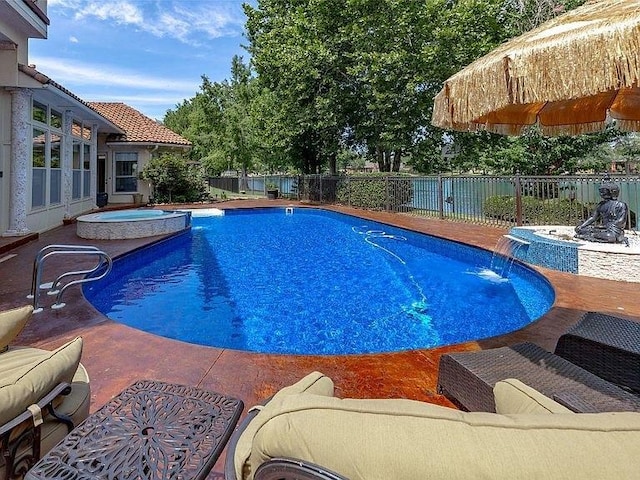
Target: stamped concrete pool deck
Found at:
x=116, y=355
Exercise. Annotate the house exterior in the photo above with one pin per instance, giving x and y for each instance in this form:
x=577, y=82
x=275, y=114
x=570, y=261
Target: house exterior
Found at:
x=57, y=152
x=122, y=156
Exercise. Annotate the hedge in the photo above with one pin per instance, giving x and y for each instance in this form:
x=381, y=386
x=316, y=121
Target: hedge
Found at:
x=370, y=191
x=536, y=211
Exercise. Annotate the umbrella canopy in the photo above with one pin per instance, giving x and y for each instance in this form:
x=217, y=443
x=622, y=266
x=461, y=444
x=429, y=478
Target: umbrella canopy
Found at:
x=570, y=75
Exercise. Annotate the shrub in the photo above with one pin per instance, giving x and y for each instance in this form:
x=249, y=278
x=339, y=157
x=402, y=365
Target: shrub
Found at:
x=536, y=211
x=174, y=180
x=371, y=191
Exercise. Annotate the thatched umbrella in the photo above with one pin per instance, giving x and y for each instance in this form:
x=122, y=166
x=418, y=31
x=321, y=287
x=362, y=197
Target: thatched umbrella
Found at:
x=570, y=75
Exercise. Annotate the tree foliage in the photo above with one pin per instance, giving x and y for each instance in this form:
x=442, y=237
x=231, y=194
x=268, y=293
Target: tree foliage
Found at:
x=220, y=121
x=334, y=79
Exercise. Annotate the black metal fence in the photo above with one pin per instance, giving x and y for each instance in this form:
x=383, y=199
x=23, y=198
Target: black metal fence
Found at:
x=499, y=200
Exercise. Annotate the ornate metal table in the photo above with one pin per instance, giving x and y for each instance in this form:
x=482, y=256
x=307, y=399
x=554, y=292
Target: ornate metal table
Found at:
x=152, y=430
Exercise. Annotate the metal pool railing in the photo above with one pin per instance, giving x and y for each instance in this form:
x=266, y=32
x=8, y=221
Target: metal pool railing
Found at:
x=498, y=200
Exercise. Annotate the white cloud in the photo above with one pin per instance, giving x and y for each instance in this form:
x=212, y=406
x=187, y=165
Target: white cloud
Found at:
x=136, y=99
x=183, y=21
x=67, y=72
x=64, y=3
x=73, y=39
x=122, y=12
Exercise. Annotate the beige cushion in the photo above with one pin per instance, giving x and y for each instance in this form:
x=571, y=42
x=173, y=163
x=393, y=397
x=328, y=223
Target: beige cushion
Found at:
x=26, y=383
x=76, y=404
x=513, y=396
x=314, y=382
x=404, y=439
x=11, y=324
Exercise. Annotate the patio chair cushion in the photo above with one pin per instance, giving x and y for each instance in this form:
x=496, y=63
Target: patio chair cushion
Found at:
x=314, y=382
x=11, y=324
x=513, y=396
x=22, y=384
x=74, y=405
x=404, y=439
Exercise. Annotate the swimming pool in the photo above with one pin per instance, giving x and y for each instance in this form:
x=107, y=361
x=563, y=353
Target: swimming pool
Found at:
x=316, y=282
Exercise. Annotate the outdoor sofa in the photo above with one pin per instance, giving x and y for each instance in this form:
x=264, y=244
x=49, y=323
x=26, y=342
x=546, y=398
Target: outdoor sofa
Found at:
x=304, y=432
x=43, y=395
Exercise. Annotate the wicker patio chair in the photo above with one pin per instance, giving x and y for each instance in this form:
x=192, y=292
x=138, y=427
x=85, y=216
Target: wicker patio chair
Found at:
x=468, y=378
x=607, y=346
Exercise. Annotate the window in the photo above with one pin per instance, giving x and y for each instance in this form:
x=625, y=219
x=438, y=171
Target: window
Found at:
x=76, y=184
x=47, y=153
x=86, y=171
x=55, y=192
x=126, y=172
x=76, y=129
x=86, y=133
x=39, y=112
x=55, y=119
x=39, y=172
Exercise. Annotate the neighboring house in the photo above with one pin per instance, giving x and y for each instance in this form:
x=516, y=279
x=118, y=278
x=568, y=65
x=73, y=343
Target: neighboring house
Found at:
x=122, y=156
x=56, y=151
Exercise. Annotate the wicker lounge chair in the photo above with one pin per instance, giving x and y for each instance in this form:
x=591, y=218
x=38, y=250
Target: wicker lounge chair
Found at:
x=468, y=378
x=607, y=346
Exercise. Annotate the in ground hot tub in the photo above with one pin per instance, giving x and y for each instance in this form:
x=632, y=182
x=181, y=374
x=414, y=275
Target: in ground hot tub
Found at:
x=133, y=223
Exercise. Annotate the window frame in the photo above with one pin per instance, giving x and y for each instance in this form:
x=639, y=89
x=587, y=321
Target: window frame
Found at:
x=118, y=178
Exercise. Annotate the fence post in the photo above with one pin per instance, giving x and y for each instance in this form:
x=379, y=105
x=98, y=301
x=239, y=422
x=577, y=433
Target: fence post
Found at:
x=440, y=198
x=386, y=187
x=518, y=200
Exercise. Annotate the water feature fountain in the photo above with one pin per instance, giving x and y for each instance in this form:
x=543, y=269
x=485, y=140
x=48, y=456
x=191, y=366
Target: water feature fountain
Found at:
x=557, y=248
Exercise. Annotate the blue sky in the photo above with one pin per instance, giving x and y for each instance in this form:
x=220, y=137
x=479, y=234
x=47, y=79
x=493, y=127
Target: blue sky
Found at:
x=149, y=54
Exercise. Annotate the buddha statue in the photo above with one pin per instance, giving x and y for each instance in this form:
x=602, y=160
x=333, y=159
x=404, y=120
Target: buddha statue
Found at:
x=606, y=223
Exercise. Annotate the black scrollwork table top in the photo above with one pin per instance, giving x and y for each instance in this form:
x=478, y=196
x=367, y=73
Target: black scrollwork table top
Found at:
x=151, y=430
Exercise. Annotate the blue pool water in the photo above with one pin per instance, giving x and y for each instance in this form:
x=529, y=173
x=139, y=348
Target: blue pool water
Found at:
x=316, y=282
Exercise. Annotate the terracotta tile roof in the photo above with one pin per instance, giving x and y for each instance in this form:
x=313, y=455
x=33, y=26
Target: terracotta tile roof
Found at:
x=138, y=128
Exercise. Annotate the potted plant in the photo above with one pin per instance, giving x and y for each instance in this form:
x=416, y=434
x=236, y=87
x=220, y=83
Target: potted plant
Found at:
x=272, y=191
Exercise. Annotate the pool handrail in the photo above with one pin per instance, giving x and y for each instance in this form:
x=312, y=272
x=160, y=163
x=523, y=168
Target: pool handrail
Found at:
x=104, y=259
x=41, y=253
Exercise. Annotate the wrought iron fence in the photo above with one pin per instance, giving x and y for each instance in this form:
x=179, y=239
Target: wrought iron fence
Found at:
x=499, y=200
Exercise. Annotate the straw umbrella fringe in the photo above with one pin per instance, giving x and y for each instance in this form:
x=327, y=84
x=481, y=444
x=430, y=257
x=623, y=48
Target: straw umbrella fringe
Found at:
x=566, y=75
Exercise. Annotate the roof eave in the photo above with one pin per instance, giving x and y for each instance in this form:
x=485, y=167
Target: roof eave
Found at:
x=70, y=99
x=148, y=144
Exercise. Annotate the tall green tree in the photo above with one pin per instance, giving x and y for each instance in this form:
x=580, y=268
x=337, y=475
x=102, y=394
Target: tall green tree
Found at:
x=364, y=72
x=238, y=139
x=220, y=121
x=297, y=51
